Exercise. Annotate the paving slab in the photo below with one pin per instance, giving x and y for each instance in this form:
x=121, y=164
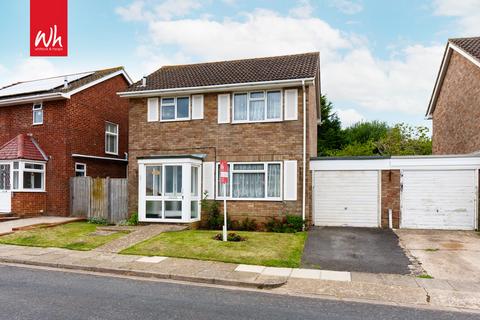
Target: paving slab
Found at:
x=7, y=226
x=306, y=273
x=434, y=284
x=335, y=275
x=249, y=268
x=279, y=272
x=154, y=259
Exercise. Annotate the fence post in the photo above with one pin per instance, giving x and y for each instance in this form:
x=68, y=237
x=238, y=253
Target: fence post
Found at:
x=109, y=200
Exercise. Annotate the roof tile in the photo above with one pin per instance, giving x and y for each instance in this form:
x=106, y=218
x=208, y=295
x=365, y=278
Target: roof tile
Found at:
x=22, y=146
x=470, y=45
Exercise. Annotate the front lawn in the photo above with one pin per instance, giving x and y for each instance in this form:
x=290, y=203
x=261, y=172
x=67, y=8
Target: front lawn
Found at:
x=260, y=248
x=75, y=236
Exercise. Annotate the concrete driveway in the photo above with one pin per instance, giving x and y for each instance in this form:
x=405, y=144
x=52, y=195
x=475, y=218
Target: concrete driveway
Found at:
x=450, y=255
x=354, y=249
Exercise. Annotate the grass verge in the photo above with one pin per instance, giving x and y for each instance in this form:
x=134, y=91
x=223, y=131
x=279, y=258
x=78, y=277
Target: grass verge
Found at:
x=75, y=236
x=260, y=248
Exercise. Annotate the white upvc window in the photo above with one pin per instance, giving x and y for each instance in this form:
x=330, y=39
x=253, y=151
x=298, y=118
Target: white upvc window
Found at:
x=80, y=169
x=174, y=108
x=252, y=181
x=28, y=176
x=257, y=106
x=111, y=138
x=37, y=113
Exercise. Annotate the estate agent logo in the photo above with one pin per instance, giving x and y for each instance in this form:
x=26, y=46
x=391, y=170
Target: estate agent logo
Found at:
x=48, y=28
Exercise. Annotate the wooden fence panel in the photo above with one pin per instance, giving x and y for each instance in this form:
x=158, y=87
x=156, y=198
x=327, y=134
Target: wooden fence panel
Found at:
x=99, y=197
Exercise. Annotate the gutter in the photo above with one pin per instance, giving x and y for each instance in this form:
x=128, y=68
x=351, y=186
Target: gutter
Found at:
x=304, y=105
x=213, y=88
x=34, y=98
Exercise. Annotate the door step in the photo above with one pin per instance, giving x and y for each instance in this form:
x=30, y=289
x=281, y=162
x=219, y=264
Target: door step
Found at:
x=8, y=217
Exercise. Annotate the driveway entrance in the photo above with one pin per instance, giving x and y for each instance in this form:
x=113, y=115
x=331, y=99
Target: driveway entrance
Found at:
x=354, y=249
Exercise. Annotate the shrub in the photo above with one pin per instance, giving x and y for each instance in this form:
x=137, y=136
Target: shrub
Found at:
x=233, y=237
x=98, y=220
x=288, y=224
x=248, y=225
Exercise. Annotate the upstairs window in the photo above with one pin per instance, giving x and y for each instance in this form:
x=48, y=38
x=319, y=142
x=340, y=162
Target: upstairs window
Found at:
x=111, y=138
x=175, y=109
x=257, y=106
x=37, y=113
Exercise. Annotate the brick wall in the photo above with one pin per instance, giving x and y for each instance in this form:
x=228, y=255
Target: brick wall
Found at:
x=28, y=204
x=390, y=197
x=232, y=142
x=456, y=129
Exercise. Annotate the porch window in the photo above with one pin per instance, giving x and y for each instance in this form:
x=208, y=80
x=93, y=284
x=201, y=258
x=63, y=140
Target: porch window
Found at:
x=257, y=106
x=28, y=176
x=170, y=190
x=252, y=181
x=111, y=138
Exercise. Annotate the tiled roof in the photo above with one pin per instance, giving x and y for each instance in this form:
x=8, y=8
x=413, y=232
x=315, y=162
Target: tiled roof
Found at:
x=59, y=88
x=289, y=67
x=469, y=45
x=22, y=146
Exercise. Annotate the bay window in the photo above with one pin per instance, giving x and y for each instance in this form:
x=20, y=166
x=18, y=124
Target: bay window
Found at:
x=257, y=106
x=252, y=181
x=28, y=176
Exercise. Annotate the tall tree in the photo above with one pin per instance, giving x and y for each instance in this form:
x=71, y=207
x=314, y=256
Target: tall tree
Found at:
x=330, y=135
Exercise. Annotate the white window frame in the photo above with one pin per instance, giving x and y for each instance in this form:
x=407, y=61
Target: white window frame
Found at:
x=175, y=108
x=185, y=196
x=21, y=169
x=37, y=106
x=109, y=133
x=230, y=176
x=84, y=170
x=265, y=94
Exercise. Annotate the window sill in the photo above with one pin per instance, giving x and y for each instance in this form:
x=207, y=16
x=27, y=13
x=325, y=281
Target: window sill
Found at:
x=26, y=190
x=37, y=124
x=111, y=153
x=251, y=199
x=259, y=121
x=175, y=120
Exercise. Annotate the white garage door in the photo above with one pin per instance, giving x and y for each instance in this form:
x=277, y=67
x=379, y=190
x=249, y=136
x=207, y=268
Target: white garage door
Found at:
x=438, y=199
x=346, y=198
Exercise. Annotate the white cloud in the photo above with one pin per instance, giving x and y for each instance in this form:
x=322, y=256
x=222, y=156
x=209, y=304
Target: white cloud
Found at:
x=304, y=10
x=467, y=12
x=350, y=70
x=28, y=69
x=133, y=12
x=349, y=117
x=347, y=6
x=139, y=10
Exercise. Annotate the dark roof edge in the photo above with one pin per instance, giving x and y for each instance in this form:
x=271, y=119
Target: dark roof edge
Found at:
x=352, y=158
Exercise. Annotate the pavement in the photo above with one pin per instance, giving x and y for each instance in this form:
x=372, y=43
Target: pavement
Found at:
x=7, y=226
x=390, y=288
x=75, y=296
x=450, y=255
x=371, y=250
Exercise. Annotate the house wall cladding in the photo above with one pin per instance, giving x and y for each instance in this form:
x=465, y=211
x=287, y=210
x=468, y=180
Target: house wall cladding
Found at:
x=71, y=126
x=455, y=118
x=273, y=141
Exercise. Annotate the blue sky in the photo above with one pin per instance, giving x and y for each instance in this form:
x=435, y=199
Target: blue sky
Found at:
x=379, y=58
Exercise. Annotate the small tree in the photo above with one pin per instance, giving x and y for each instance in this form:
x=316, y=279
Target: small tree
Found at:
x=403, y=139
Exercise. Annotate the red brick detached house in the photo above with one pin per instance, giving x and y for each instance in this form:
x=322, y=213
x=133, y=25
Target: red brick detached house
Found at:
x=260, y=115
x=455, y=104
x=56, y=128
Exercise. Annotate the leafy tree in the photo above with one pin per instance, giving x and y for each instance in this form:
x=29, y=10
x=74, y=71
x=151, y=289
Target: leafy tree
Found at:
x=330, y=135
x=403, y=139
x=365, y=131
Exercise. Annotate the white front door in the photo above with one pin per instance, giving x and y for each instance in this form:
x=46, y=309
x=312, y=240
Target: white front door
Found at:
x=346, y=198
x=5, y=189
x=438, y=199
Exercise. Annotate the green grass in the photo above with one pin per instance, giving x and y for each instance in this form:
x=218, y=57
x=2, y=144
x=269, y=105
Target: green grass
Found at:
x=425, y=276
x=260, y=248
x=75, y=236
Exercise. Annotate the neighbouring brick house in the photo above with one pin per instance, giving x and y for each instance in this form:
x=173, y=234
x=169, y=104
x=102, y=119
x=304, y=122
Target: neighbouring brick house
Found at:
x=455, y=103
x=56, y=128
x=260, y=115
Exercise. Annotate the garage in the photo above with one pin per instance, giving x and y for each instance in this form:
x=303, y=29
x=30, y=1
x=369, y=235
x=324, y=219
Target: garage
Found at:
x=346, y=198
x=438, y=199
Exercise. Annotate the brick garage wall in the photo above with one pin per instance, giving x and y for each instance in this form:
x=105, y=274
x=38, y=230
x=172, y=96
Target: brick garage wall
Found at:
x=390, y=197
x=27, y=204
x=232, y=142
x=456, y=129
